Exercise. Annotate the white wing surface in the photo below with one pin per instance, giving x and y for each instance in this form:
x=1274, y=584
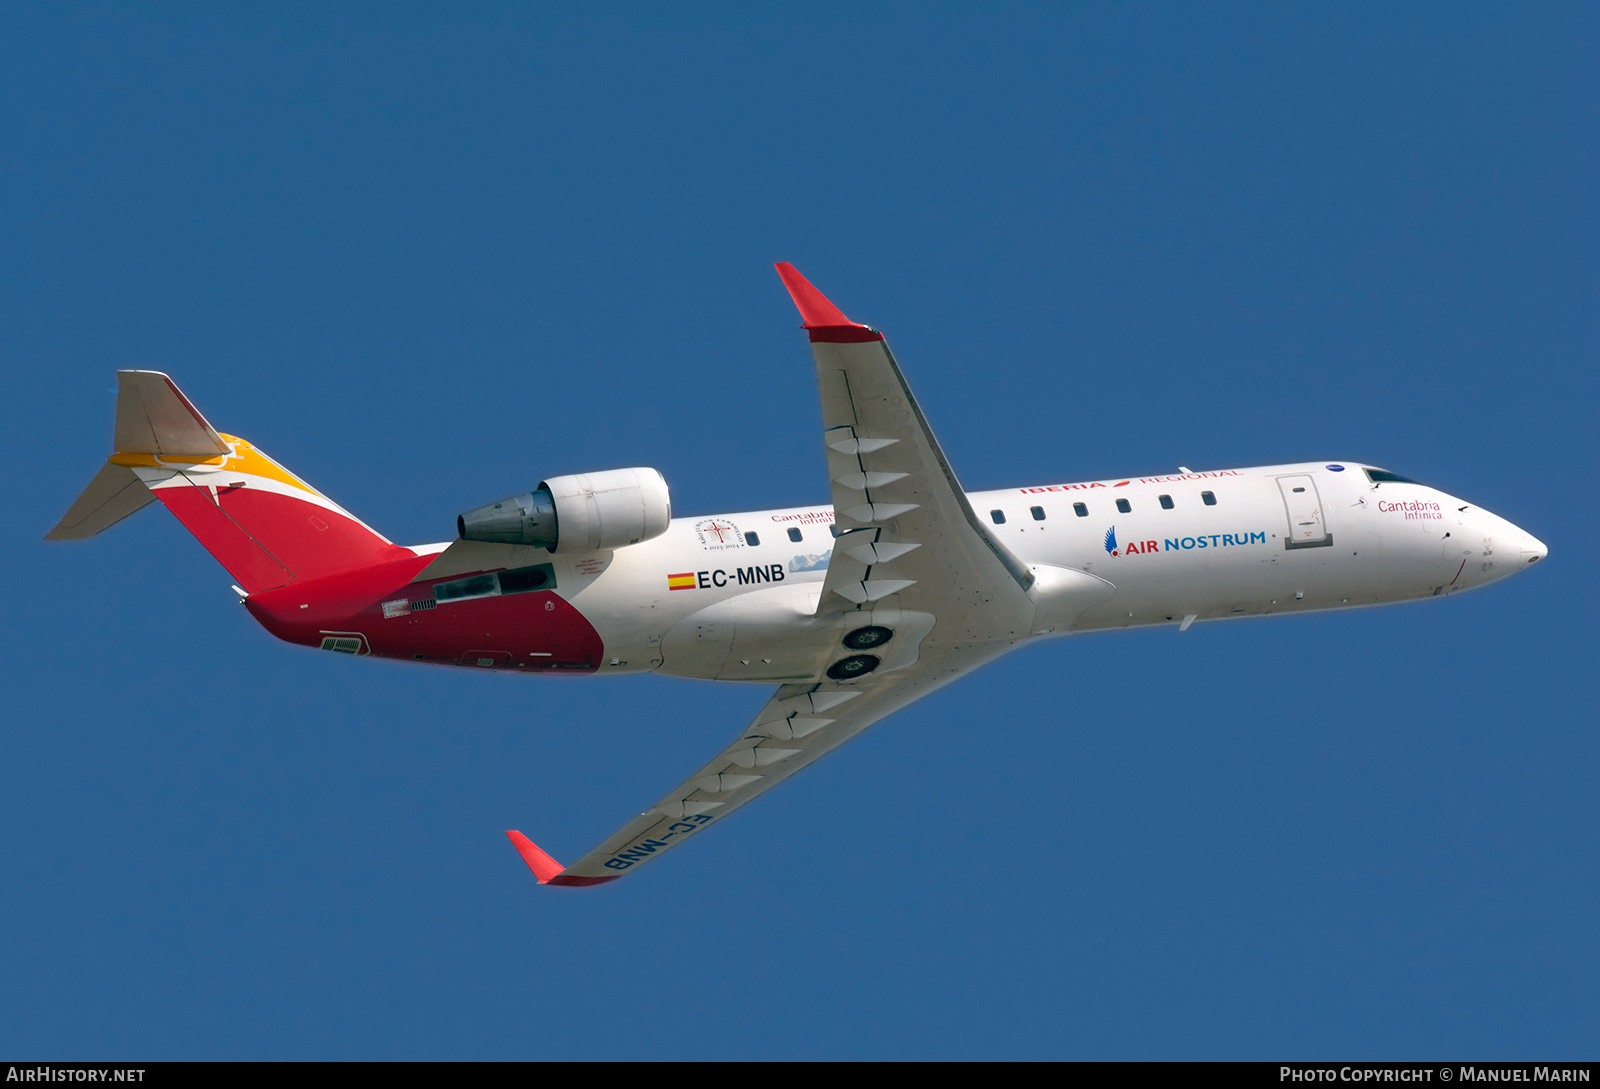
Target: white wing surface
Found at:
x=799, y=724
x=908, y=536
x=924, y=594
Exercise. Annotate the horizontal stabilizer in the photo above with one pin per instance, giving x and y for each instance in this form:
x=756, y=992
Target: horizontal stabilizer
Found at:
x=153, y=417
x=111, y=496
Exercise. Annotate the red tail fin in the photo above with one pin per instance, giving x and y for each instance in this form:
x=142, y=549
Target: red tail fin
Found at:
x=261, y=522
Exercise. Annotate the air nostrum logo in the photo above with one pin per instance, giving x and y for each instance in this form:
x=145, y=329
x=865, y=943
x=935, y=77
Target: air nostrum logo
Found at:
x=1182, y=544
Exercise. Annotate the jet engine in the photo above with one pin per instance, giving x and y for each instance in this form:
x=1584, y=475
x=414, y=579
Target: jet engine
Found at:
x=578, y=513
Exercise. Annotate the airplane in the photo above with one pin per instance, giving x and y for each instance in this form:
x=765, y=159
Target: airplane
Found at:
x=852, y=610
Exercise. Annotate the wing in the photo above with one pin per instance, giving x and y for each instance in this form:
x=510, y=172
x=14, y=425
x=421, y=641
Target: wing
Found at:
x=799, y=724
x=914, y=575
x=908, y=537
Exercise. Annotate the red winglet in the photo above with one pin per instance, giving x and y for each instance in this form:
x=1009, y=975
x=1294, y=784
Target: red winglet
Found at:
x=543, y=866
x=821, y=317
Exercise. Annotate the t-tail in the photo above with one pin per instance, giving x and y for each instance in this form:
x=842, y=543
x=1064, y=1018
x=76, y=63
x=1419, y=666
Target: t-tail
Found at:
x=261, y=522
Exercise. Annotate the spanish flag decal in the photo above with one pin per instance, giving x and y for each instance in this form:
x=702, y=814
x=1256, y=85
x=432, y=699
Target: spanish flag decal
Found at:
x=681, y=582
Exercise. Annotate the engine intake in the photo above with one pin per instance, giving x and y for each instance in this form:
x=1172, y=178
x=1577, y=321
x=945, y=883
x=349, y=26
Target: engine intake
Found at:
x=579, y=513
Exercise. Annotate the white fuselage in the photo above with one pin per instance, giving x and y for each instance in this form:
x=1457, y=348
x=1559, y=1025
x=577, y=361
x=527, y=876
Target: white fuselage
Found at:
x=1274, y=539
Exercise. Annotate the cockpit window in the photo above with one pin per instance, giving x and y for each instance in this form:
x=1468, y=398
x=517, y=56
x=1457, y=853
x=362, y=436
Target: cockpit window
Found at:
x=1384, y=476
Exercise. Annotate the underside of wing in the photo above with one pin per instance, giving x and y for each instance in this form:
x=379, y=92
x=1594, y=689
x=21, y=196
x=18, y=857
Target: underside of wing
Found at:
x=798, y=725
x=917, y=587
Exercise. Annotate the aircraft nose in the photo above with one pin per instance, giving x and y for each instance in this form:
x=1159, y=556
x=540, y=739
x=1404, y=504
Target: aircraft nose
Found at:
x=1515, y=548
x=1506, y=548
x=1531, y=548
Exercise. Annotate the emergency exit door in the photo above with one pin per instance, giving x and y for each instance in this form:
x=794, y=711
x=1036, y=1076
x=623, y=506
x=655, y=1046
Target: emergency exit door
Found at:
x=1307, y=528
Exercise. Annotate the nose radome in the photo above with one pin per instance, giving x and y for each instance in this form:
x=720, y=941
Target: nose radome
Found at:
x=1516, y=547
x=1532, y=549
x=1507, y=547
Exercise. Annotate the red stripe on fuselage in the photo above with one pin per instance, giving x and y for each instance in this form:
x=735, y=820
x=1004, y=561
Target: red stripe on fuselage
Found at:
x=535, y=632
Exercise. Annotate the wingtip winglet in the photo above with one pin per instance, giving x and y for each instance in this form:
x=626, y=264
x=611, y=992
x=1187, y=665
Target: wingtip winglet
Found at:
x=821, y=318
x=543, y=866
x=814, y=307
x=546, y=869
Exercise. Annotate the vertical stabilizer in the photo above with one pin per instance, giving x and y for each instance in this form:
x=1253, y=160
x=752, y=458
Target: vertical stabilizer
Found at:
x=260, y=521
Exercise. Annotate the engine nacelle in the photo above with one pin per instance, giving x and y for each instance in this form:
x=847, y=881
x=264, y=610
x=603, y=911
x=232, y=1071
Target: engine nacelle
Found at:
x=578, y=513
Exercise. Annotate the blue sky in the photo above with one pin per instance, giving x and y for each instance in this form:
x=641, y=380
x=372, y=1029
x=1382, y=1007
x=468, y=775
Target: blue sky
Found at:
x=428, y=257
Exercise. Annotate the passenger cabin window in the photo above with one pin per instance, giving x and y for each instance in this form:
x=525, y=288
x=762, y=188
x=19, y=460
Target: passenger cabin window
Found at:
x=1124, y=506
x=1080, y=510
x=1037, y=512
x=1383, y=476
x=794, y=534
x=1208, y=499
x=999, y=517
x=1166, y=502
x=752, y=540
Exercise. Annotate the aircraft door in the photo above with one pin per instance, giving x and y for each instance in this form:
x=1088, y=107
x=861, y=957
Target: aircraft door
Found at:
x=1303, y=505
